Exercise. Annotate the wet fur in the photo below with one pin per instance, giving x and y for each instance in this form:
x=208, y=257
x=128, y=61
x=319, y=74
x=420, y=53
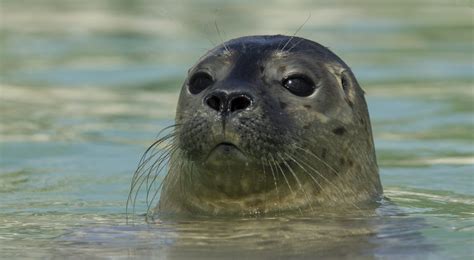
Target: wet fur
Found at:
x=302, y=154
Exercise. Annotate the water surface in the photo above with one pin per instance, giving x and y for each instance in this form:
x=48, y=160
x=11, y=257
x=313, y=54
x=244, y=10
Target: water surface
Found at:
x=87, y=85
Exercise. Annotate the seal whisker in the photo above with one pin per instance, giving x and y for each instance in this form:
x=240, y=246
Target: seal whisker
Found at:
x=274, y=179
x=173, y=127
x=306, y=171
x=147, y=171
x=142, y=180
x=282, y=173
x=151, y=152
x=156, y=168
x=147, y=156
x=222, y=40
x=265, y=184
x=296, y=32
x=182, y=179
x=171, y=166
x=162, y=164
x=191, y=171
x=158, y=189
x=297, y=180
x=174, y=131
x=294, y=45
x=190, y=167
x=277, y=165
x=329, y=182
x=318, y=158
x=164, y=142
x=135, y=190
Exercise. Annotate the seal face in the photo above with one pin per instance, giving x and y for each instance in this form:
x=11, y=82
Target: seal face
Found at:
x=269, y=124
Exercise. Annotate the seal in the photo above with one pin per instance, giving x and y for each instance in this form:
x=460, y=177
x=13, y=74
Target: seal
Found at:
x=265, y=125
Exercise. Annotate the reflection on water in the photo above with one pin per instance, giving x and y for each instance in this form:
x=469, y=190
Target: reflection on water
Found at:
x=262, y=238
x=86, y=86
x=392, y=235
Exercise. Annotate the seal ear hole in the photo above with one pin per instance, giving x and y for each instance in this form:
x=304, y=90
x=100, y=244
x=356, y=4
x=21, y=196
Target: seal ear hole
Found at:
x=199, y=82
x=348, y=88
x=344, y=82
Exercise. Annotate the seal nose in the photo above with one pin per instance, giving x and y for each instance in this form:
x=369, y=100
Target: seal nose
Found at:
x=228, y=103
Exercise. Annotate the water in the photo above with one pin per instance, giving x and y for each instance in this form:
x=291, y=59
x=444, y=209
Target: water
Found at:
x=86, y=86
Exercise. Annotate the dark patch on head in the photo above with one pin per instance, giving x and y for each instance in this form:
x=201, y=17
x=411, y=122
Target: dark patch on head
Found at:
x=307, y=106
x=283, y=105
x=350, y=162
x=362, y=121
x=307, y=126
x=342, y=161
x=339, y=131
x=323, y=153
x=262, y=69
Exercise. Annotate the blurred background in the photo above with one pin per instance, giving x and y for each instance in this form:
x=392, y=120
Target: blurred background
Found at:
x=86, y=85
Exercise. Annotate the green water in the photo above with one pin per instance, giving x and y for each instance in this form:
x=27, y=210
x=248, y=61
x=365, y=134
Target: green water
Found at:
x=87, y=85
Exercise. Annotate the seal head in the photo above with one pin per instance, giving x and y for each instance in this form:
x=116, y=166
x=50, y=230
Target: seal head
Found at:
x=268, y=124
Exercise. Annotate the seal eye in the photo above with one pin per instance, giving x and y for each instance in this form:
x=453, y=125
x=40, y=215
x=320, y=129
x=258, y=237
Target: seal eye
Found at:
x=299, y=85
x=199, y=82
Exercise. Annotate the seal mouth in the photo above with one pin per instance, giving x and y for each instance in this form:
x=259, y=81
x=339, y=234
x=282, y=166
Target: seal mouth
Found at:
x=225, y=147
x=225, y=152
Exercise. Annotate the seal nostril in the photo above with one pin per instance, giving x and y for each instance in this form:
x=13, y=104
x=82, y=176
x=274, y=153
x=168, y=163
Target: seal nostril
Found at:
x=214, y=102
x=239, y=103
x=225, y=103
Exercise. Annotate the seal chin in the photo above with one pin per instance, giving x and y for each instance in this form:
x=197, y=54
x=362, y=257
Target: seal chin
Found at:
x=225, y=154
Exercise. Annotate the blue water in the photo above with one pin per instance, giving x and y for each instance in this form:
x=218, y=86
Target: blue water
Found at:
x=85, y=86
